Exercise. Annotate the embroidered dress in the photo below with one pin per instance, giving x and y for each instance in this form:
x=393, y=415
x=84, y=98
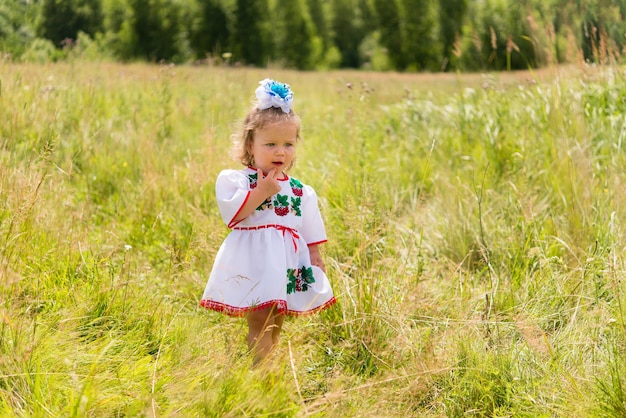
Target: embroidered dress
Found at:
x=264, y=261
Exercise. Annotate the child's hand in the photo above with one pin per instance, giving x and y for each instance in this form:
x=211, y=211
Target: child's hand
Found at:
x=316, y=257
x=268, y=184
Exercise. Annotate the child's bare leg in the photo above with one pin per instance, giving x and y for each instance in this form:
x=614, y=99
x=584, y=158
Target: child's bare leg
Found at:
x=261, y=329
x=278, y=326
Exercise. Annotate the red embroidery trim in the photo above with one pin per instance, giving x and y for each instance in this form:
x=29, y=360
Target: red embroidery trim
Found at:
x=232, y=222
x=281, y=307
x=318, y=242
x=284, y=229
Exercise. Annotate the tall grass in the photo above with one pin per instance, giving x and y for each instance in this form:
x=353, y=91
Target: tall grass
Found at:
x=476, y=244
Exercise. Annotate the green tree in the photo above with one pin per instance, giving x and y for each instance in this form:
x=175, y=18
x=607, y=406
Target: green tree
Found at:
x=251, y=41
x=451, y=16
x=500, y=38
x=368, y=14
x=295, y=44
x=16, y=30
x=210, y=29
x=120, y=37
x=319, y=20
x=421, y=46
x=156, y=26
x=602, y=29
x=63, y=19
x=390, y=31
x=348, y=31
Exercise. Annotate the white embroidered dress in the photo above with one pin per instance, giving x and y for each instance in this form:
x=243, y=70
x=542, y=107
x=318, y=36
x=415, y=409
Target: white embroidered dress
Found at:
x=264, y=261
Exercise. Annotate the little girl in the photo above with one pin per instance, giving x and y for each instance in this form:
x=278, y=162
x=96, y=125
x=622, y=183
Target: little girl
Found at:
x=269, y=265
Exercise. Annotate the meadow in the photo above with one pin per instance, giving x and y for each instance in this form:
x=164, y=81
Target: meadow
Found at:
x=476, y=244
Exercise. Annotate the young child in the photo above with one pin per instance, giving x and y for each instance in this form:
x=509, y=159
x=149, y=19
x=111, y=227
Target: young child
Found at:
x=269, y=265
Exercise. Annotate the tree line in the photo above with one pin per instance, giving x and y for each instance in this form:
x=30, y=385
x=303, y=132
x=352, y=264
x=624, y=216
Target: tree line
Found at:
x=401, y=35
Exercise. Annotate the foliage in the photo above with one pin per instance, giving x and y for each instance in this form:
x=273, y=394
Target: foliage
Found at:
x=602, y=29
x=210, y=33
x=155, y=24
x=61, y=20
x=348, y=31
x=320, y=22
x=421, y=47
x=499, y=40
x=41, y=51
x=252, y=33
x=15, y=30
x=451, y=16
x=390, y=31
x=405, y=35
x=296, y=41
x=476, y=244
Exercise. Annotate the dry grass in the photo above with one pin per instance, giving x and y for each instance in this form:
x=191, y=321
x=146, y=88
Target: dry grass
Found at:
x=476, y=244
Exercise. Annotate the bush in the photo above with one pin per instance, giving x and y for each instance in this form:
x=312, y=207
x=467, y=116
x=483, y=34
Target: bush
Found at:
x=41, y=51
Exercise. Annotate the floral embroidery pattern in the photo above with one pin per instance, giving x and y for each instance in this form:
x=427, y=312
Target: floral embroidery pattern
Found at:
x=281, y=204
x=299, y=279
x=296, y=186
x=295, y=205
x=296, y=189
x=266, y=205
x=252, y=178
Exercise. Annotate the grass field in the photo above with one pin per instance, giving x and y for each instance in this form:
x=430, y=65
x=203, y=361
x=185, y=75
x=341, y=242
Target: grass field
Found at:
x=476, y=244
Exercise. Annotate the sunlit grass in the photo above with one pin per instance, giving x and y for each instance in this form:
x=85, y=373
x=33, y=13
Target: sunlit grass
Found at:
x=476, y=244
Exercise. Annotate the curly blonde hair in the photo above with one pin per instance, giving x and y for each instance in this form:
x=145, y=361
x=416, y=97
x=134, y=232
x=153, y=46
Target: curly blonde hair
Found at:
x=254, y=120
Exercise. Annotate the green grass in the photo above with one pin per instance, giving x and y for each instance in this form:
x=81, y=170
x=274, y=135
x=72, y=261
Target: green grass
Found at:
x=476, y=244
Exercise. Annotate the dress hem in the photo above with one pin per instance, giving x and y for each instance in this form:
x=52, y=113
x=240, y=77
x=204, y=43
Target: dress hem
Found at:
x=281, y=307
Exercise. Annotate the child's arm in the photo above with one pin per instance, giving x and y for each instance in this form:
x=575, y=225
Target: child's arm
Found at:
x=316, y=257
x=266, y=186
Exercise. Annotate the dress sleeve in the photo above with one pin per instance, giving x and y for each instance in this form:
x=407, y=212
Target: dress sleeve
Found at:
x=313, y=230
x=232, y=190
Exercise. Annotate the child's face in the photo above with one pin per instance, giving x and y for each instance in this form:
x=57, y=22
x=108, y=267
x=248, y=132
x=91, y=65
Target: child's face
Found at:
x=274, y=146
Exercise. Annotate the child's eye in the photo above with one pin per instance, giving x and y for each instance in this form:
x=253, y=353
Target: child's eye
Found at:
x=270, y=144
x=289, y=144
